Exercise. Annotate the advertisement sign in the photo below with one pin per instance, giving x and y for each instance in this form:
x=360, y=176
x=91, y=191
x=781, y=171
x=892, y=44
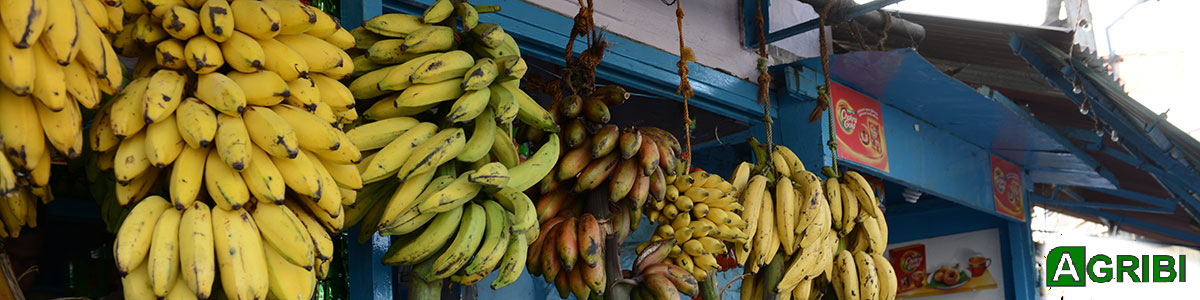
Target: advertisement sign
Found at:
x=1007, y=191
x=859, y=128
x=959, y=266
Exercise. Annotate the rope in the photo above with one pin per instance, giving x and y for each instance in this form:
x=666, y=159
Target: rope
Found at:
x=685, y=86
x=823, y=92
x=764, y=77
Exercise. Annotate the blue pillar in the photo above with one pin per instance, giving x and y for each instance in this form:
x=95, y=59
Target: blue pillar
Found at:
x=355, y=12
x=369, y=278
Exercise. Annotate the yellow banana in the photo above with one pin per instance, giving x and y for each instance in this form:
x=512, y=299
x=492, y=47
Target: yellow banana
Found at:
x=203, y=55
x=303, y=94
x=429, y=39
x=288, y=280
x=163, y=142
x=317, y=133
x=300, y=174
x=434, y=236
x=163, y=260
x=466, y=242
x=324, y=26
x=407, y=196
x=187, y=175
x=376, y=135
x=452, y=64
x=493, y=245
x=469, y=106
x=321, y=56
x=286, y=234
x=283, y=60
x=17, y=66
x=131, y=160
x=294, y=17
x=95, y=52
x=887, y=277
x=62, y=128
x=233, y=141
x=49, y=85
x=482, y=138
x=170, y=54
x=255, y=18
x=127, y=117
x=868, y=280
x=134, y=238
x=24, y=21
x=136, y=284
x=221, y=93
x=400, y=77
x=480, y=75
x=454, y=195
x=438, y=11
x=240, y=255
x=243, y=53
x=438, y=149
x=163, y=94
x=223, y=183
x=263, y=180
x=346, y=175
x=366, y=86
x=529, y=172
x=181, y=22
x=61, y=32
x=271, y=132
x=394, y=25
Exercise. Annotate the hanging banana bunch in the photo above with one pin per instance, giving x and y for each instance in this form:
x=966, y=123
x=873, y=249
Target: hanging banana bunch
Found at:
x=701, y=214
x=799, y=225
x=236, y=109
x=55, y=63
x=443, y=105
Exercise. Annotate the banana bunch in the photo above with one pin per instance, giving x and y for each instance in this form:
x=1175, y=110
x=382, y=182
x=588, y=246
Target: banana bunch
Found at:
x=701, y=214
x=444, y=104
x=166, y=252
x=569, y=252
x=55, y=61
x=656, y=277
x=237, y=106
x=860, y=271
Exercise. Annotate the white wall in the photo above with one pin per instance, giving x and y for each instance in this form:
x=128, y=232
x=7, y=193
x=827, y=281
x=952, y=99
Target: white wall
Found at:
x=712, y=28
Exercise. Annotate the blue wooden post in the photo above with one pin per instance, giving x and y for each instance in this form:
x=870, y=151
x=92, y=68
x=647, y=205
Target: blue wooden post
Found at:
x=357, y=11
x=369, y=279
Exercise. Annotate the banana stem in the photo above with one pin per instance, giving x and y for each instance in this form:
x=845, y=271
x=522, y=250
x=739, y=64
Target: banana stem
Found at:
x=425, y=290
x=771, y=276
x=708, y=288
x=597, y=205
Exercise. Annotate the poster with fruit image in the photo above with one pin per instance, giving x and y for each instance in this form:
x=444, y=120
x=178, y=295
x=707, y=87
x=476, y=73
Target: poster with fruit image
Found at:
x=859, y=122
x=957, y=266
x=1007, y=190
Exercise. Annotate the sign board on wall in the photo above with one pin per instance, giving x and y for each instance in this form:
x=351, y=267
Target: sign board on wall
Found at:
x=958, y=266
x=1007, y=190
x=859, y=130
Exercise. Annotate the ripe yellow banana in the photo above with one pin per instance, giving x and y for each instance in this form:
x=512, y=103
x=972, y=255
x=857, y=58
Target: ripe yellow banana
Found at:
x=196, y=250
x=288, y=280
x=300, y=174
x=134, y=238
x=335, y=94
x=438, y=149
x=243, y=53
x=294, y=17
x=24, y=21
x=321, y=56
x=163, y=142
x=63, y=128
x=324, y=26
x=163, y=94
x=257, y=19
x=466, y=242
x=287, y=235
x=181, y=22
x=271, y=132
x=469, y=106
x=887, y=277
x=197, y=123
x=95, y=51
x=786, y=208
x=403, y=201
x=136, y=284
x=131, y=160
x=49, y=85
x=203, y=55
x=283, y=60
x=170, y=54
x=187, y=176
x=240, y=255
x=317, y=133
x=163, y=259
x=61, y=31
x=223, y=183
x=525, y=175
x=233, y=141
x=452, y=64
x=429, y=39
x=262, y=178
x=394, y=25
x=868, y=280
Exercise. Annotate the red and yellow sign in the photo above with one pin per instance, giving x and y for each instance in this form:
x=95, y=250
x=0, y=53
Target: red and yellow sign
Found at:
x=859, y=128
x=1007, y=191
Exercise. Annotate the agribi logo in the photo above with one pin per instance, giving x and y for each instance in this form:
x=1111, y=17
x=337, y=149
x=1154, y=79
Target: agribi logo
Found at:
x=1067, y=267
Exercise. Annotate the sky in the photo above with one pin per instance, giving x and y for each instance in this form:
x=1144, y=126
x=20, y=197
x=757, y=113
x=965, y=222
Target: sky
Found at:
x=1154, y=38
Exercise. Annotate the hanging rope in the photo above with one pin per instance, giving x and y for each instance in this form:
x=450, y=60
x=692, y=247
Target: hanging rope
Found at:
x=685, y=87
x=823, y=93
x=764, y=77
